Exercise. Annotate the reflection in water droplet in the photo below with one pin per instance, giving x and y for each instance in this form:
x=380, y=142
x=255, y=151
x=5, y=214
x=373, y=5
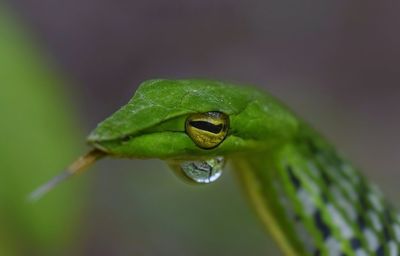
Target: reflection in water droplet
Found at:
x=204, y=171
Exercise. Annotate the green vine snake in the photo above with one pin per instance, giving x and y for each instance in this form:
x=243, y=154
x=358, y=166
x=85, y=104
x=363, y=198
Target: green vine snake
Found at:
x=310, y=198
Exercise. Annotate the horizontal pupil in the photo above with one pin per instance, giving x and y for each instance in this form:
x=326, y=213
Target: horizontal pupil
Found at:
x=206, y=126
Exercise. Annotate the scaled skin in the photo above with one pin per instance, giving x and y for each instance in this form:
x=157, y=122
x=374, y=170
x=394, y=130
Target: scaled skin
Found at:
x=311, y=200
x=152, y=124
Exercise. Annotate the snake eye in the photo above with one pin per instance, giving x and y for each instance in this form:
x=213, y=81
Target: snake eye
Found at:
x=207, y=130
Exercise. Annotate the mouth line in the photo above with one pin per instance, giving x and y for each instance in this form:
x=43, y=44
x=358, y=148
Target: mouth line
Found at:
x=100, y=144
x=169, y=145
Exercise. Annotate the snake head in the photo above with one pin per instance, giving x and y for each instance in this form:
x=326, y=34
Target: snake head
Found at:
x=181, y=119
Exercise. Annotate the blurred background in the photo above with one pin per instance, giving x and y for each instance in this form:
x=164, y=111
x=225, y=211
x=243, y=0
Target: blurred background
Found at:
x=66, y=65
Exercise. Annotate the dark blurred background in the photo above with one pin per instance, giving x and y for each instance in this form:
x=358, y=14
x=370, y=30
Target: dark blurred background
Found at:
x=336, y=63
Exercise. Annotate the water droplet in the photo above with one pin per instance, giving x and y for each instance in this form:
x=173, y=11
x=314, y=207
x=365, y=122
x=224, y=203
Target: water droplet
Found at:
x=203, y=171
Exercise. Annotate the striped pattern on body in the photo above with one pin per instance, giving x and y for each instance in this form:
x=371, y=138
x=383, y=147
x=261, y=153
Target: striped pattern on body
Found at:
x=332, y=208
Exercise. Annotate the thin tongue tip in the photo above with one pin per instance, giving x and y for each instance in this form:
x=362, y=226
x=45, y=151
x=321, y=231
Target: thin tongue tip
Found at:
x=45, y=188
x=76, y=167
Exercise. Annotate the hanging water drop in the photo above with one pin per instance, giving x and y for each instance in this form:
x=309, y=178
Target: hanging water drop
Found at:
x=203, y=171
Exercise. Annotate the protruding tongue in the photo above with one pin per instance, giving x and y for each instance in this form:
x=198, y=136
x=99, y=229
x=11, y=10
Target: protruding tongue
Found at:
x=77, y=167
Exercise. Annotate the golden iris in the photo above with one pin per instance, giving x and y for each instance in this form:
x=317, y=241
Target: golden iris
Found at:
x=208, y=129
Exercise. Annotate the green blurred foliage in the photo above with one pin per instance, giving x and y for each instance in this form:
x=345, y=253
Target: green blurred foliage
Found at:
x=37, y=139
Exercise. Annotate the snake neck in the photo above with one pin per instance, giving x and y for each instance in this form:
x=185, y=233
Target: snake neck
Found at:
x=314, y=202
